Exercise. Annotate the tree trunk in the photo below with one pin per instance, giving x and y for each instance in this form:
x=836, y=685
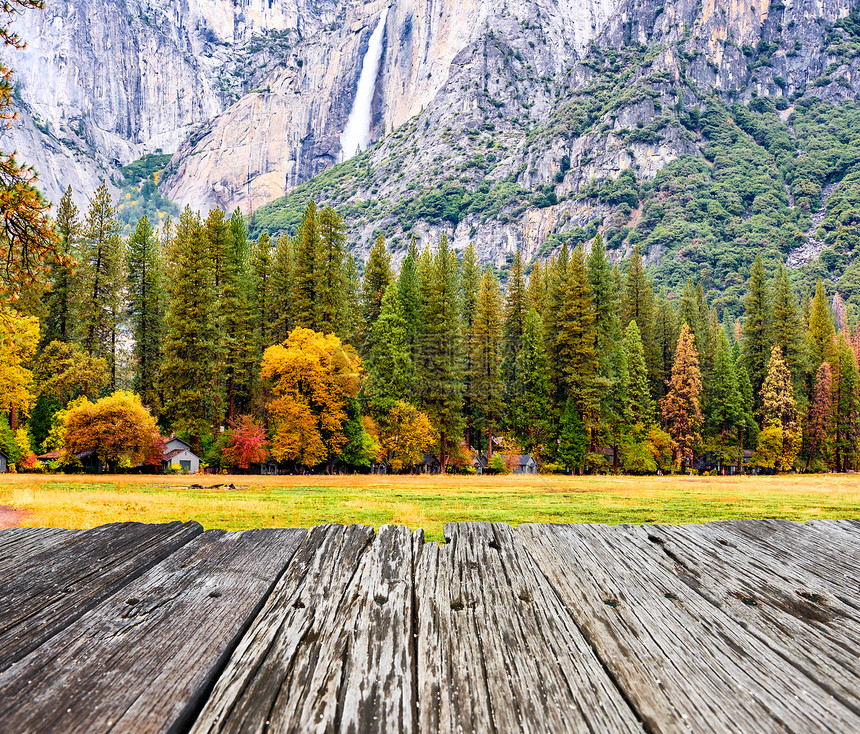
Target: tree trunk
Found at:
x=443, y=458
x=13, y=418
x=489, y=440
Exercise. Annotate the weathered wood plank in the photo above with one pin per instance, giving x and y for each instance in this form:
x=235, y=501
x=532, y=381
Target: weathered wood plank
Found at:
x=497, y=652
x=780, y=605
x=683, y=663
x=814, y=550
x=332, y=649
x=17, y=544
x=48, y=590
x=145, y=658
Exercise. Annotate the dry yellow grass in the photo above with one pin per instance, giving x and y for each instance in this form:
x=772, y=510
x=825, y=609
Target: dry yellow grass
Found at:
x=428, y=502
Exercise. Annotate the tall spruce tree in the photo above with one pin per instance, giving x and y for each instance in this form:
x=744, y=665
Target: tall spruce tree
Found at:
x=666, y=332
x=351, y=302
x=377, y=276
x=537, y=287
x=788, y=328
x=390, y=372
x=611, y=376
x=441, y=359
x=262, y=294
x=283, y=305
x=304, y=268
x=217, y=228
x=821, y=335
x=239, y=349
x=190, y=362
x=470, y=280
x=516, y=309
x=409, y=291
x=98, y=287
x=637, y=304
x=575, y=340
x=329, y=275
x=723, y=399
x=821, y=419
x=59, y=307
x=146, y=304
x=529, y=405
x=640, y=406
x=756, y=345
x=486, y=358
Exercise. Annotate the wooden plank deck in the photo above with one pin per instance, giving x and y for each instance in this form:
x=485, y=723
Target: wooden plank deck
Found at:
x=727, y=627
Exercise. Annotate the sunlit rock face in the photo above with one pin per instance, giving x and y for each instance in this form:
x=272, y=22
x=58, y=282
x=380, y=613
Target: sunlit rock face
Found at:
x=254, y=96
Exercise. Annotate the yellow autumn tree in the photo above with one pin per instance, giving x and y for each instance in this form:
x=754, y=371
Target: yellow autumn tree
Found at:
x=19, y=337
x=313, y=376
x=405, y=434
x=118, y=428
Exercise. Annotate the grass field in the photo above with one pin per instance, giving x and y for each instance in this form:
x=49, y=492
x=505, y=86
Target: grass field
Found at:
x=426, y=502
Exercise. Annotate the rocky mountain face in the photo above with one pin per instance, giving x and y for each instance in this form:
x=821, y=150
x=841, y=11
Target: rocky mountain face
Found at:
x=493, y=119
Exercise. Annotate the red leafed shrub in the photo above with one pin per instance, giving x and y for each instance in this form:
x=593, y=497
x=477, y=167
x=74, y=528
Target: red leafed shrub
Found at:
x=248, y=444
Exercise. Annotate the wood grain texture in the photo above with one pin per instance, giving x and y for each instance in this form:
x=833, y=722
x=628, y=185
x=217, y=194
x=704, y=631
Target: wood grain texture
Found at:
x=48, y=590
x=497, y=651
x=781, y=605
x=144, y=659
x=17, y=544
x=332, y=649
x=684, y=663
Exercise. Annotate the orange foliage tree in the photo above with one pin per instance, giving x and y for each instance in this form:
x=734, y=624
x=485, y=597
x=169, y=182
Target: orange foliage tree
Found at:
x=118, y=428
x=248, y=444
x=312, y=377
x=682, y=405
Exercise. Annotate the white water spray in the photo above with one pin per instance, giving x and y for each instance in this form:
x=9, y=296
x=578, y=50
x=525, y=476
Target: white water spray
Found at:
x=356, y=135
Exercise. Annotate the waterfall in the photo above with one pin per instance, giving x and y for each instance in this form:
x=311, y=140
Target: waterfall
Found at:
x=356, y=135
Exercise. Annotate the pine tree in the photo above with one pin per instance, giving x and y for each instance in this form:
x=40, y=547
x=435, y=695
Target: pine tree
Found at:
x=822, y=333
x=682, y=412
x=821, y=420
x=486, y=359
x=575, y=340
x=329, y=276
x=666, y=332
x=57, y=325
x=573, y=438
x=846, y=407
x=637, y=304
x=262, y=296
x=611, y=377
x=218, y=236
x=390, y=372
x=470, y=280
x=239, y=349
x=304, y=266
x=190, y=349
x=283, y=305
x=640, y=406
x=351, y=303
x=146, y=303
x=723, y=401
x=441, y=360
x=529, y=405
x=779, y=409
x=516, y=309
x=788, y=326
x=537, y=288
x=377, y=276
x=748, y=428
x=756, y=345
x=97, y=292
x=409, y=291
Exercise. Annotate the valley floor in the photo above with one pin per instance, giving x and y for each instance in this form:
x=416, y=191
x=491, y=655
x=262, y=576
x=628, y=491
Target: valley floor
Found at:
x=422, y=502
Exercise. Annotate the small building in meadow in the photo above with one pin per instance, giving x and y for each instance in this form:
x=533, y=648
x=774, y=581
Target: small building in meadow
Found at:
x=430, y=464
x=479, y=464
x=521, y=464
x=379, y=467
x=4, y=463
x=47, y=459
x=177, y=453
